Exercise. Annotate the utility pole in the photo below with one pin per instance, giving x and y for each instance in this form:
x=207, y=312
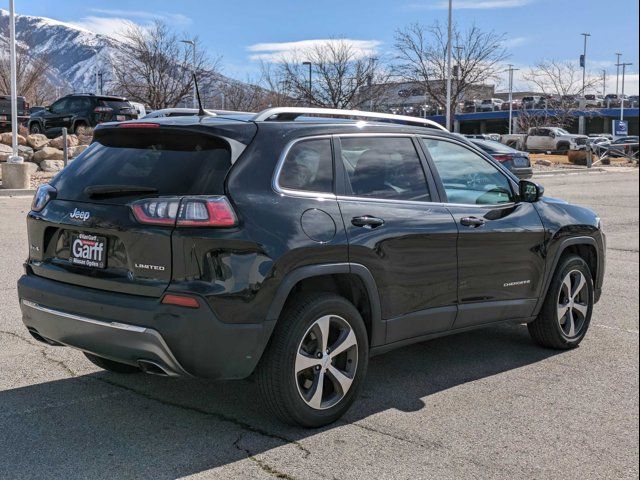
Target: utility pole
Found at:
x=193, y=69
x=584, y=61
x=624, y=67
x=511, y=70
x=449, y=27
x=14, y=158
x=310, y=65
x=618, y=55
x=604, y=82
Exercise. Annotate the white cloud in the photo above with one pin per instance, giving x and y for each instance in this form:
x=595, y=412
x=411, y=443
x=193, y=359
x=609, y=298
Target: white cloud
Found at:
x=171, y=18
x=286, y=51
x=516, y=42
x=470, y=4
x=109, y=26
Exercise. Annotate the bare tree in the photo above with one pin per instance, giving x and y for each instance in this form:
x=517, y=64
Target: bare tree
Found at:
x=341, y=77
x=561, y=84
x=421, y=57
x=154, y=67
x=32, y=75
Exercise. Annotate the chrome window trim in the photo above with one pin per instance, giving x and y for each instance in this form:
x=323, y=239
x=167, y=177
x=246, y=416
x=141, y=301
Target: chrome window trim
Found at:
x=300, y=193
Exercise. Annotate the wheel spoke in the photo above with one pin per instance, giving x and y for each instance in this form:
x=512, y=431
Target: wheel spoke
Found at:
x=344, y=344
x=580, y=285
x=316, y=399
x=571, y=324
x=304, y=362
x=566, y=284
x=344, y=381
x=562, y=311
x=581, y=308
x=323, y=324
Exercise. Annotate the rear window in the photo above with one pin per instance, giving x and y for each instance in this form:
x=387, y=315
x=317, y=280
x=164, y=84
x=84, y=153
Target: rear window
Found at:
x=173, y=163
x=116, y=104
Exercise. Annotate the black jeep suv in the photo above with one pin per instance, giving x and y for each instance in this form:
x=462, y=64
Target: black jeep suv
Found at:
x=295, y=247
x=80, y=110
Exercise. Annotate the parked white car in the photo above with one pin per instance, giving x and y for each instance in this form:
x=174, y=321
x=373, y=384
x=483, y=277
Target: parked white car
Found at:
x=546, y=139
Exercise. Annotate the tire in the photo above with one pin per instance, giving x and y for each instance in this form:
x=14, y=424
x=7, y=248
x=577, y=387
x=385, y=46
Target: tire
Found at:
x=110, y=365
x=552, y=330
x=78, y=126
x=290, y=371
x=35, y=128
x=563, y=148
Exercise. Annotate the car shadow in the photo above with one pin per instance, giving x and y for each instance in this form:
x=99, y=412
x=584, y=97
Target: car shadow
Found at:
x=105, y=425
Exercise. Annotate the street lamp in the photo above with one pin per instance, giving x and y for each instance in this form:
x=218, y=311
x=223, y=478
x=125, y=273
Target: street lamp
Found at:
x=618, y=55
x=584, y=60
x=511, y=70
x=624, y=67
x=14, y=158
x=310, y=65
x=604, y=82
x=193, y=69
x=448, y=112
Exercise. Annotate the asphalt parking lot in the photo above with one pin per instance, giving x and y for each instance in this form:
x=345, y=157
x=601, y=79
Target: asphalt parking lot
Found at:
x=485, y=404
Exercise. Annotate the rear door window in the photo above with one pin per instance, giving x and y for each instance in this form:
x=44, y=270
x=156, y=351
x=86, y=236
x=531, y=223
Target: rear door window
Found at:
x=308, y=167
x=171, y=163
x=384, y=168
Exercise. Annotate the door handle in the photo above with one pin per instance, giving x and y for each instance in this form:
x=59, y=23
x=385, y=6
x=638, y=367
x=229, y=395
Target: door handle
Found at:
x=367, y=221
x=474, y=222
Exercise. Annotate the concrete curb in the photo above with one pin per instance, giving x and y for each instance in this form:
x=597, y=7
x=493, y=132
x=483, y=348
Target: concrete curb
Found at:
x=567, y=171
x=16, y=192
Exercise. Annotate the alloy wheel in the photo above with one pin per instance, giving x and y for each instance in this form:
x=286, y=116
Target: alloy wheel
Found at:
x=573, y=303
x=326, y=362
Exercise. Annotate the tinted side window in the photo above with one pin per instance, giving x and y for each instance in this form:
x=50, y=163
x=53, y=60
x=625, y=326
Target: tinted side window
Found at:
x=308, y=166
x=467, y=177
x=385, y=168
x=60, y=106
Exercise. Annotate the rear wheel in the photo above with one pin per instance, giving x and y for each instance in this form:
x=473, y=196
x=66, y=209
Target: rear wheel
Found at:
x=35, y=128
x=566, y=313
x=316, y=361
x=111, y=365
x=563, y=148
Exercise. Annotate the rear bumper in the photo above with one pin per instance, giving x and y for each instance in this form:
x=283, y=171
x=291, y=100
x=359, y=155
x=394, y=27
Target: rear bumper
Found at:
x=121, y=342
x=131, y=328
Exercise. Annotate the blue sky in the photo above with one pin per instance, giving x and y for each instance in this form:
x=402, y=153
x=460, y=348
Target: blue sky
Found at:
x=244, y=30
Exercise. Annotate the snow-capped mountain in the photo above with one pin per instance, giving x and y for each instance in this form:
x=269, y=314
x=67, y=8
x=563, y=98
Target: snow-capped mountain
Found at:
x=74, y=53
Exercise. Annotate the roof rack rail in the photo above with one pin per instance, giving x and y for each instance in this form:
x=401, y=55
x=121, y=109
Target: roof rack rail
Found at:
x=291, y=113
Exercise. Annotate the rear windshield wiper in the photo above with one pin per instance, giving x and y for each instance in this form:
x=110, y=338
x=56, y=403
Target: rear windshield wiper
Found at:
x=95, y=191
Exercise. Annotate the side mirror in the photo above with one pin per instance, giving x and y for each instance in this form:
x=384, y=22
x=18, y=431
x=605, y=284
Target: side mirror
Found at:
x=552, y=135
x=530, y=192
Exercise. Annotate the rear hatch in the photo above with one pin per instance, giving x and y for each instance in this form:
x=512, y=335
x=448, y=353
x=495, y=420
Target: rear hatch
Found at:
x=87, y=234
x=116, y=109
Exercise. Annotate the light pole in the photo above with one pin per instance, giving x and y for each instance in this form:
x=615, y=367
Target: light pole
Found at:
x=310, y=65
x=584, y=60
x=14, y=158
x=193, y=69
x=604, y=83
x=511, y=70
x=448, y=111
x=624, y=67
x=618, y=55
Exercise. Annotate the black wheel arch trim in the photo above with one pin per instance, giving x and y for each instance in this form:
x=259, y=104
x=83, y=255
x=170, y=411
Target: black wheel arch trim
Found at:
x=378, y=327
x=562, y=247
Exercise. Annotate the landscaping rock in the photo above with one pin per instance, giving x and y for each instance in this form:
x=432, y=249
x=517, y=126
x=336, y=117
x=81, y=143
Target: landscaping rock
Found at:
x=37, y=141
x=577, y=157
x=546, y=163
x=58, y=142
x=85, y=139
x=47, y=153
x=5, y=152
x=6, y=139
x=51, y=165
x=75, y=151
x=25, y=152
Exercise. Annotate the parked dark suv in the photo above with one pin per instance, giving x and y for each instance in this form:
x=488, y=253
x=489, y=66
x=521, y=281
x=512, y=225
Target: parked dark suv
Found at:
x=295, y=247
x=80, y=110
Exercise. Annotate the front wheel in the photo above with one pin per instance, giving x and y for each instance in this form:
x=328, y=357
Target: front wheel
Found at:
x=566, y=312
x=35, y=128
x=316, y=361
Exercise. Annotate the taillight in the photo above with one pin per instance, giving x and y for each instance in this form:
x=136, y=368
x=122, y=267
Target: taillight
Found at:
x=180, y=301
x=186, y=212
x=503, y=158
x=103, y=110
x=44, y=193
